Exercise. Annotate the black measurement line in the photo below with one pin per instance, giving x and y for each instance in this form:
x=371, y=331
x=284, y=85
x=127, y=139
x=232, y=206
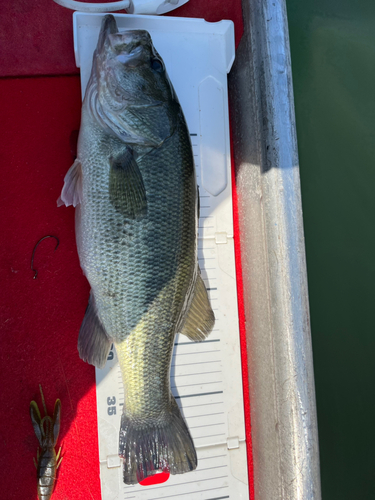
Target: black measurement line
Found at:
x=204, y=404
x=190, y=353
x=192, y=385
x=209, y=458
x=215, y=467
x=206, y=414
x=197, y=342
x=121, y=404
x=211, y=289
x=208, y=425
x=192, y=482
x=199, y=362
x=210, y=436
x=192, y=374
x=206, y=258
x=218, y=498
x=193, y=492
x=202, y=394
x=193, y=135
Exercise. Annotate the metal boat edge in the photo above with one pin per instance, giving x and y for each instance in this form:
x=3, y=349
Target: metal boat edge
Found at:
x=281, y=378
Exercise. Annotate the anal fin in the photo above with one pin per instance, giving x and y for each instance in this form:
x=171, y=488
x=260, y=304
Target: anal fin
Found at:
x=200, y=318
x=93, y=341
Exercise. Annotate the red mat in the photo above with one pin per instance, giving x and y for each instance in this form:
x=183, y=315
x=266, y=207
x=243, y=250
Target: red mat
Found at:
x=36, y=35
x=40, y=319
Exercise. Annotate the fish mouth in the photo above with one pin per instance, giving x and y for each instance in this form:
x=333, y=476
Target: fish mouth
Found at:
x=127, y=45
x=109, y=27
x=130, y=44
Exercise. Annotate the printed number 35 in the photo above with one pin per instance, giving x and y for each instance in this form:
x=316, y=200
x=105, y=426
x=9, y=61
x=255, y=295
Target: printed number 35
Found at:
x=111, y=409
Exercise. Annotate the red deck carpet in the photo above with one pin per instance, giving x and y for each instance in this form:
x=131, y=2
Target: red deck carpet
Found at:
x=40, y=319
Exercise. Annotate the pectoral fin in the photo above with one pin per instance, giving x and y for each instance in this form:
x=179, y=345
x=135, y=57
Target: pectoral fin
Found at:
x=200, y=318
x=71, y=193
x=126, y=189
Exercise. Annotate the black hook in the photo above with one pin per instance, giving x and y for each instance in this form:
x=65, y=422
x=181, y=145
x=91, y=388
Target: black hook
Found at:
x=36, y=246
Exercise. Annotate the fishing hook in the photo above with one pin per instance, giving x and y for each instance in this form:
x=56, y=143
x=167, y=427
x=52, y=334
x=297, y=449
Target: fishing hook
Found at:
x=36, y=246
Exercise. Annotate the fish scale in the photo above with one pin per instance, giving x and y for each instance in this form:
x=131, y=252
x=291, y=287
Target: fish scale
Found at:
x=149, y=349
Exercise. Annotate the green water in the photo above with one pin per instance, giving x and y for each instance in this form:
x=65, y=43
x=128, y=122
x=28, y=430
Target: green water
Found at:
x=333, y=61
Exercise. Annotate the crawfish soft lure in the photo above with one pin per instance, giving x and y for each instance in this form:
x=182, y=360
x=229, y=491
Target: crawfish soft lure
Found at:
x=47, y=431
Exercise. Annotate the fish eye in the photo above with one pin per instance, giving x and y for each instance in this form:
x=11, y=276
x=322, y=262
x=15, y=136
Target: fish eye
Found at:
x=156, y=65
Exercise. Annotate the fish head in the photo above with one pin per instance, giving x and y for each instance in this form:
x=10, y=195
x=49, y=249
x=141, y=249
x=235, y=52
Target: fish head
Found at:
x=134, y=91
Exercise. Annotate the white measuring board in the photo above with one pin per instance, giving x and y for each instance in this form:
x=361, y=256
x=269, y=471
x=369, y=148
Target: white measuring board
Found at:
x=205, y=377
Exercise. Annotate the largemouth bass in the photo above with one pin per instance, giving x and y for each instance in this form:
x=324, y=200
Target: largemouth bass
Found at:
x=134, y=188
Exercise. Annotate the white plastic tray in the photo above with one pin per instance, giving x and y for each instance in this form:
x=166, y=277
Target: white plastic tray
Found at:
x=206, y=377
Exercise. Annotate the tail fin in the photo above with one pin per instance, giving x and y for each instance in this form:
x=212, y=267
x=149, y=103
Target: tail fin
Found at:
x=164, y=444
